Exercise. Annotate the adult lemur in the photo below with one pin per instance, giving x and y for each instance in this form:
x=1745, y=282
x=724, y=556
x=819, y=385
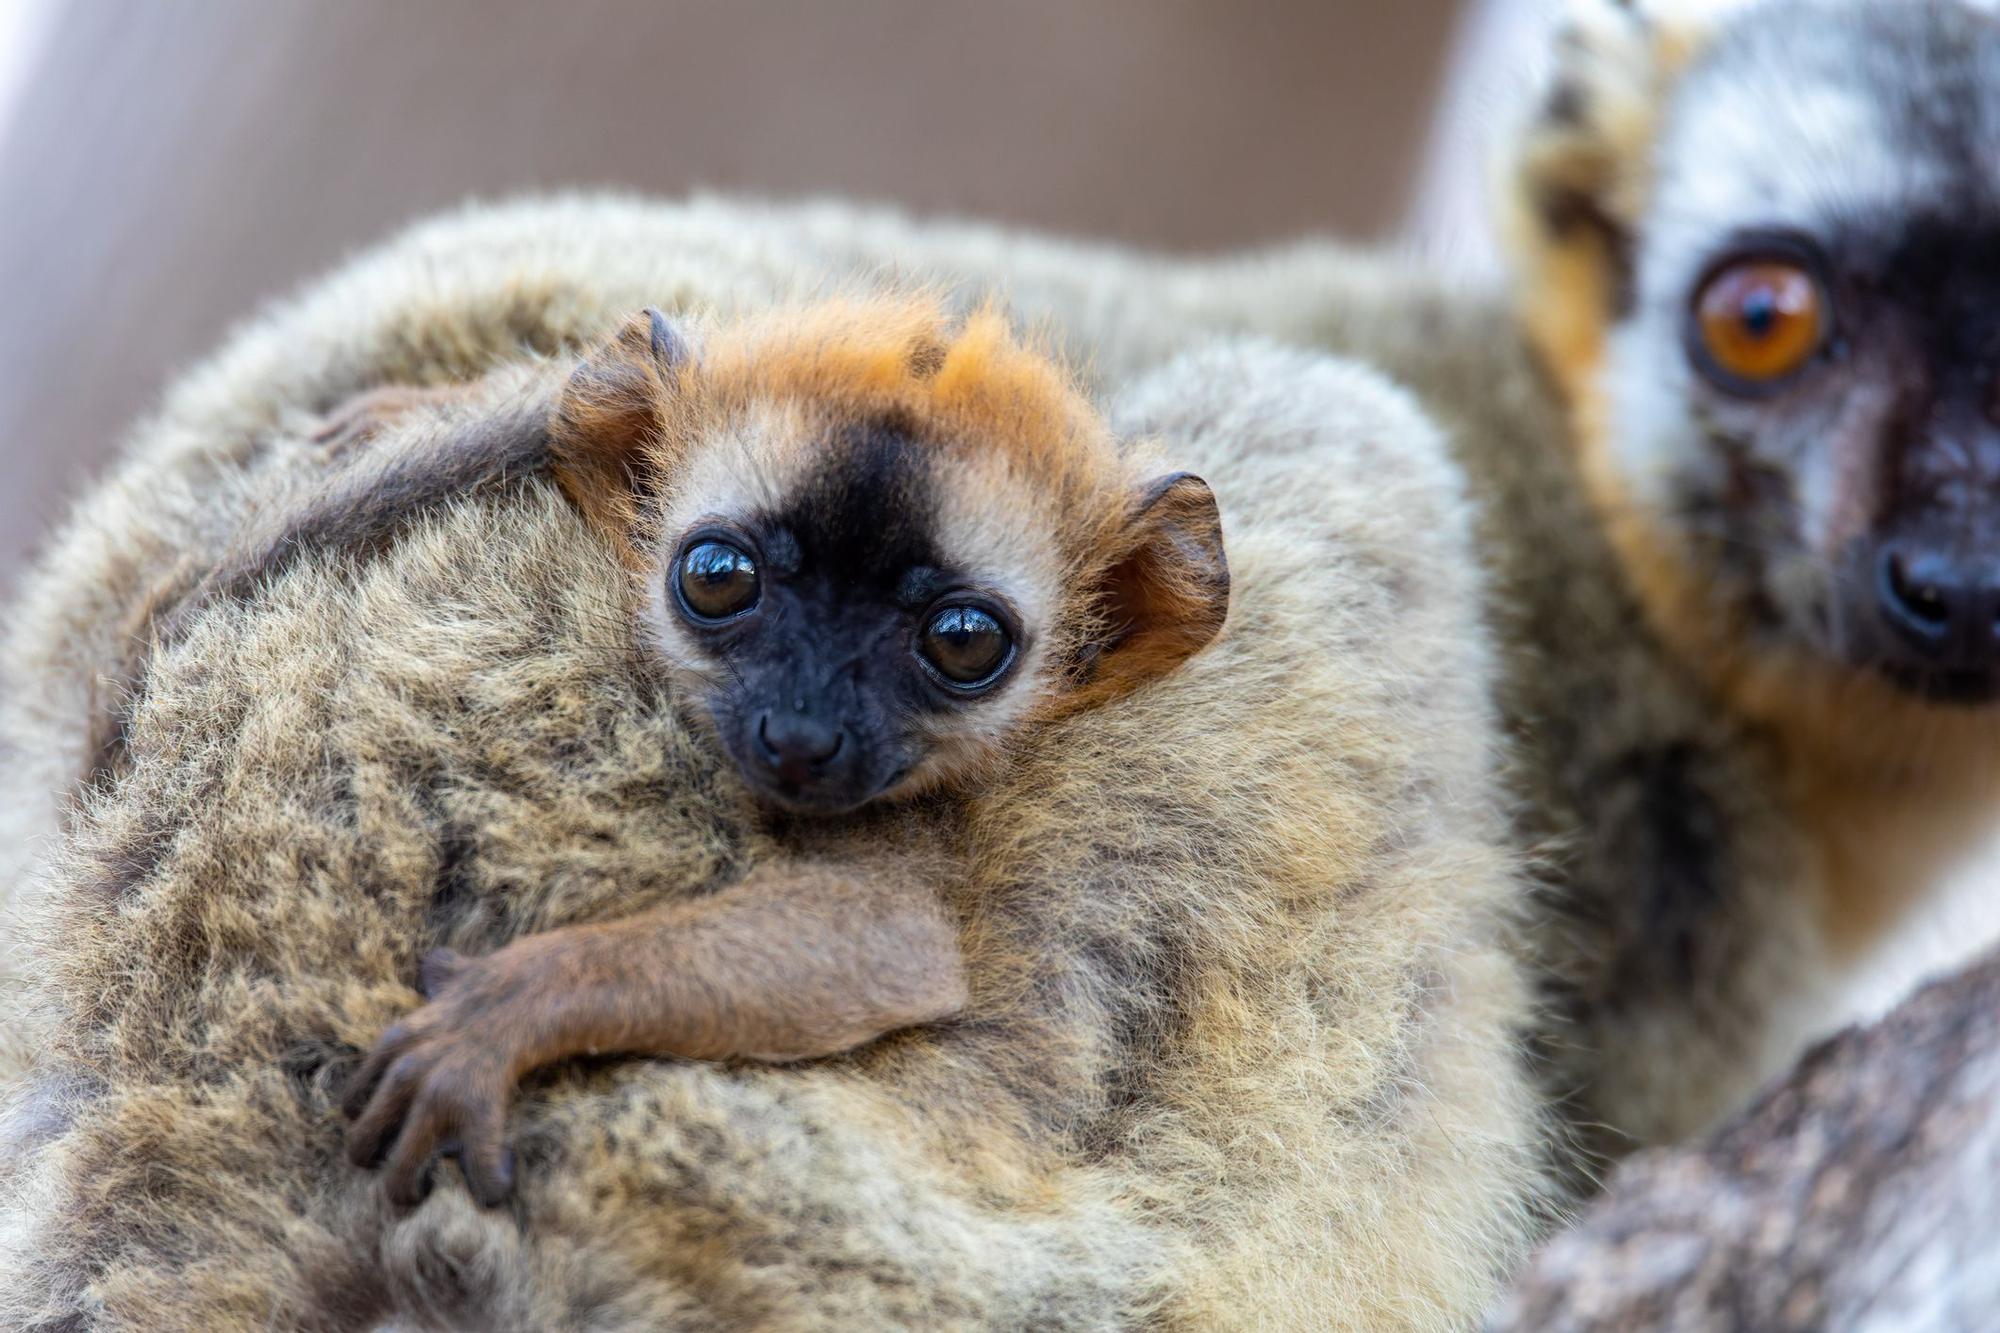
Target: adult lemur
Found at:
x=1733, y=428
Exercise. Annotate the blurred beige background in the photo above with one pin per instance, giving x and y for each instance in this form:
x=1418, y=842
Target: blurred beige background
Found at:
x=165, y=166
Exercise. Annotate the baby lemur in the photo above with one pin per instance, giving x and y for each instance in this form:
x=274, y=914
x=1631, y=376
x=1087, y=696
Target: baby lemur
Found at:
x=870, y=558
x=836, y=693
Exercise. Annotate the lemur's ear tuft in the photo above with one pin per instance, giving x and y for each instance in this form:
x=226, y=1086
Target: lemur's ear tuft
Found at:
x=1165, y=596
x=1580, y=173
x=608, y=413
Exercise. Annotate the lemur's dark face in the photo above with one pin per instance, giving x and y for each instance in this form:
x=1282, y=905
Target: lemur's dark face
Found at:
x=1807, y=382
x=841, y=641
x=873, y=544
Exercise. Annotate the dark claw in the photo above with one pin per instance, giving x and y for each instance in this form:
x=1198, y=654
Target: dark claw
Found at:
x=489, y=1174
x=410, y=1187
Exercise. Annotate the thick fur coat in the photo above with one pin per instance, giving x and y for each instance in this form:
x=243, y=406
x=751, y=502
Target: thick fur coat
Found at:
x=1244, y=1041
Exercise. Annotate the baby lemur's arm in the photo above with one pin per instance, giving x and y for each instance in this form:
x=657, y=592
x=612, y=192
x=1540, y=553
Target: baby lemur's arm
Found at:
x=371, y=494
x=360, y=503
x=792, y=963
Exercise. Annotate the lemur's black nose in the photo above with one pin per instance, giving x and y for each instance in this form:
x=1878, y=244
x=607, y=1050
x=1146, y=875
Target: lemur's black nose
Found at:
x=1944, y=608
x=797, y=746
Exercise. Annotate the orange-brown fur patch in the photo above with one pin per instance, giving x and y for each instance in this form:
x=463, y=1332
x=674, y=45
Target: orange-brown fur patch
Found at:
x=970, y=385
x=974, y=384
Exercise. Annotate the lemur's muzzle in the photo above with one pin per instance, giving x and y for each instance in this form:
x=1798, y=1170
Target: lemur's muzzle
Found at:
x=1936, y=601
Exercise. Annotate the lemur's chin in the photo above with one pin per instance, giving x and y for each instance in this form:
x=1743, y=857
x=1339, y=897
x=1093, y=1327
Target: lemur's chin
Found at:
x=818, y=799
x=1957, y=688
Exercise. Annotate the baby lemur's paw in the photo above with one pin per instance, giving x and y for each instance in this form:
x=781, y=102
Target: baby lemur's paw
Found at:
x=437, y=1084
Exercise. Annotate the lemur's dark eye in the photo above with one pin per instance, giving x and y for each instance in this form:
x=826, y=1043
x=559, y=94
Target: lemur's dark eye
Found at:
x=716, y=581
x=1758, y=321
x=966, y=645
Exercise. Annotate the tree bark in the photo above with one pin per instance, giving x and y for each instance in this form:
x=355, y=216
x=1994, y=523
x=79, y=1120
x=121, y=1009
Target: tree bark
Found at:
x=1862, y=1192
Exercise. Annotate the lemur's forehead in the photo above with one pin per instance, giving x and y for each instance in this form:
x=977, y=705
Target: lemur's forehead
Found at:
x=861, y=504
x=871, y=500
x=1838, y=119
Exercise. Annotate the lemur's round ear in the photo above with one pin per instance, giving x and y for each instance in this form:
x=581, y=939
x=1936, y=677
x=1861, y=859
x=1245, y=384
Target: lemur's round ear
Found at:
x=608, y=413
x=668, y=347
x=1165, y=597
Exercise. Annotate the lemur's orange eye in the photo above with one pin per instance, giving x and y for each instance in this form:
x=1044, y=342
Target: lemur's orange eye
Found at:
x=1759, y=320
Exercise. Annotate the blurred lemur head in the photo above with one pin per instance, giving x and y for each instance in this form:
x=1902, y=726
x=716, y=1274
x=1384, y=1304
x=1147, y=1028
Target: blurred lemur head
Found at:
x=1762, y=250
x=874, y=546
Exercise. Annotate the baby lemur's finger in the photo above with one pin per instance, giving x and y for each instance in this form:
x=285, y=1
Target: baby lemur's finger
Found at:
x=383, y=1115
x=363, y=416
x=487, y=1164
x=361, y=1087
x=406, y=1178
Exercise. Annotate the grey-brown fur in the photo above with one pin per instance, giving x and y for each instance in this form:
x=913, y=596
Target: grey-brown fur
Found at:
x=1242, y=1046
x=360, y=502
